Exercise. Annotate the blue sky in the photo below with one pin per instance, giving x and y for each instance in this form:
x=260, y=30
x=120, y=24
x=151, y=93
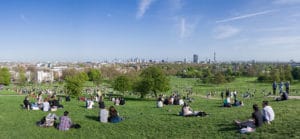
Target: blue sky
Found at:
x=48, y=30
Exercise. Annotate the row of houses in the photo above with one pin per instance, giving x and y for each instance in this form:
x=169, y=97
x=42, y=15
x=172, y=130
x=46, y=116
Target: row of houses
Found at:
x=40, y=75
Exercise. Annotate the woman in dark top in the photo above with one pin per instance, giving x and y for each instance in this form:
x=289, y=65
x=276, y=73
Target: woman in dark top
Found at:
x=113, y=115
x=256, y=120
x=26, y=103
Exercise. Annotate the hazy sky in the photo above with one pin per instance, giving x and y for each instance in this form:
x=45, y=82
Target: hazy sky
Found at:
x=174, y=29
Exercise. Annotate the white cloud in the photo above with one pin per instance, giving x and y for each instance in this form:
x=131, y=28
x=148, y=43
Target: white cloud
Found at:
x=286, y=1
x=245, y=16
x=186, y=29
x=223, y=32
x=143, y=7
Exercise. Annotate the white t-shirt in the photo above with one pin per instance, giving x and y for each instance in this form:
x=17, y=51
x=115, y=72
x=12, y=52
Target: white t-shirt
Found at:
x=103, y=115
x=268, y=113
x=228, y=100
x=160, y=104
x=181, y=102
x=90, y=104
x=46, y=106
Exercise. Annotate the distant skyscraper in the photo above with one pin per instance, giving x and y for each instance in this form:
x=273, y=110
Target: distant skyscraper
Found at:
x=215, y=57
x=195, y=58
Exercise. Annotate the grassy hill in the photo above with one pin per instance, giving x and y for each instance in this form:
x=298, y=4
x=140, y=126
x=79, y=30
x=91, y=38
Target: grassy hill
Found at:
x=144, y=120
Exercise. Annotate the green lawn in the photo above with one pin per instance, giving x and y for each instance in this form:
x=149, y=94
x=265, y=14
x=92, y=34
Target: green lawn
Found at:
x=143, y=120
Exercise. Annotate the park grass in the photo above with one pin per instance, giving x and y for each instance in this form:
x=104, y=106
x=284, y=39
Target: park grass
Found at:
x=143, y=120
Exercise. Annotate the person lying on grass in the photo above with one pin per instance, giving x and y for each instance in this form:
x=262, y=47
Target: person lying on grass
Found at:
x=255, y=121
x=238, y=103
x=113, y=115
x=187, y=111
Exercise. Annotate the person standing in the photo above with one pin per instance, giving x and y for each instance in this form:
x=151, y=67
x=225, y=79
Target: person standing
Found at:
x=274, y=86
x=287, y=87
x=280, y=87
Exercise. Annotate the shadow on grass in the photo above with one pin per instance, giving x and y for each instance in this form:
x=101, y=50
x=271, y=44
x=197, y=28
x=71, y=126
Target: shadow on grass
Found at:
x=227, y=127
x=94, y=118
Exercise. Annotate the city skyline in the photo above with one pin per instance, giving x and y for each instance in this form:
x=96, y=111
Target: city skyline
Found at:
x=91, y=30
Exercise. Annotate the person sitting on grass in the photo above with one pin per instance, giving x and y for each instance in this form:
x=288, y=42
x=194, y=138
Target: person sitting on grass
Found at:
x=187, y=111
x=48, y=121
x=89, y=103
x=254, y=122
x=238, y=103
x=26, y=103
x=227, y=100
x=113, y=115
x=267, y=112
x=46, y=105
x=103, y=115
x=65, y=122
x=55, y=102
x=117, y=101
x=284, y=96
x=40, y=100
x=122, y=101
x=159, y=103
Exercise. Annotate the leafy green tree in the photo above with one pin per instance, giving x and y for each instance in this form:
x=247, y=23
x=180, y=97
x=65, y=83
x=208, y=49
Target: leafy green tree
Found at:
x=296, y=73
x=94, y=76
x=22, y=77
x=275, y=75
x=74, y=83
x=219, y=78
x=288, y=73
x=68, y=72
x=152, y=80
x=4, y=76
x=122, y=84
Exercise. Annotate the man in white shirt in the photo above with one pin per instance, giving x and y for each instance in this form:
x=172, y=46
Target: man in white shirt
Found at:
x=103, y=115
x=267, y=112
x=90, y=104
x=46, y=105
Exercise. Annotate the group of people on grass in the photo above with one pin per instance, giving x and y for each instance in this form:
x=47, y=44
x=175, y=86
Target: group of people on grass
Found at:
x=280, y=87
x=258, y=117
x=227, y=101
x=174, y=99
x=111, y=115
x=50, y=103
